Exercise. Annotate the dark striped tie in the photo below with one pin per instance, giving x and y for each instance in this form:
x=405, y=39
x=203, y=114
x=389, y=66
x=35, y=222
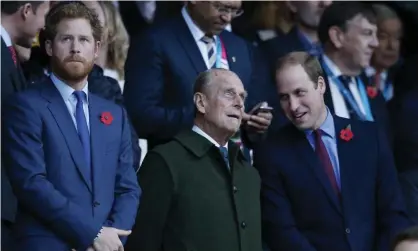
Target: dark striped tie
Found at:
x=210, y=46
x=224, y=152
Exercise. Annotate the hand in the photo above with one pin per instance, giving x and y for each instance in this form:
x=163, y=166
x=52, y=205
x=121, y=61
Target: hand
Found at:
x=108, y=239
x=259, y=122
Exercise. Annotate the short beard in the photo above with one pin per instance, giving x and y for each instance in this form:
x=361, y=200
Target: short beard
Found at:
x=62, y=70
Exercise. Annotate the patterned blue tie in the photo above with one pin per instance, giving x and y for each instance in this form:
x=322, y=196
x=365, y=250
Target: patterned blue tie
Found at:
x=83, y=131
x=224, y=153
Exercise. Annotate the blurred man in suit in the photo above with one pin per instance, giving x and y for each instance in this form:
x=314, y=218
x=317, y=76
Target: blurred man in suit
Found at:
x=199, y=191
x=20, y=22
x=69, y=152
x=303, y=36
x=347, y=31
x=164, y=62
x=327, y=182
x=383, y=66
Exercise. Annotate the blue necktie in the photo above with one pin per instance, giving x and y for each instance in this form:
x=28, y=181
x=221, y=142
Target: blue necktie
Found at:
x=83, y=131
x=224, y=153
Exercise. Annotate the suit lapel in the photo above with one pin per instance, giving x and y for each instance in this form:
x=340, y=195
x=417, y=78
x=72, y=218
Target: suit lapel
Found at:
x=307, y=155
x=186, y=39
x=64, y=121
x=97, y=132
x=232, y=52
x=346, y=156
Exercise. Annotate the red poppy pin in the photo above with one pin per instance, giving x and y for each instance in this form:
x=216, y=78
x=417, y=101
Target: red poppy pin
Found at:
x=346, y=134
x=371, y=91
x=106, y=118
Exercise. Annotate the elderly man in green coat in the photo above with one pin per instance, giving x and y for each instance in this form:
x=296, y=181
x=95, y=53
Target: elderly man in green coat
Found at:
x=199, y=192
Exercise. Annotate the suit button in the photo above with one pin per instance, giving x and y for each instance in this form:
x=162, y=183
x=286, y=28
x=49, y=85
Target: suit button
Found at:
x=96, y=204
x=347, y=230
x=243, y=225
x=235, y=189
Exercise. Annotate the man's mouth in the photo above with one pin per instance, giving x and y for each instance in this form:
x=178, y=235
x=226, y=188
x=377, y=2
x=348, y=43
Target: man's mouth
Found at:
x=299, y=115
x=234, y=116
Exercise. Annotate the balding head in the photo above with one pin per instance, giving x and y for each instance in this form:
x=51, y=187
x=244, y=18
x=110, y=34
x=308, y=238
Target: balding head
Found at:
x=219, y=97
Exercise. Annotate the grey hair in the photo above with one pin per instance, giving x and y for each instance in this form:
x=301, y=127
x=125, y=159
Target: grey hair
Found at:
x=205, y=78
x=384, y=12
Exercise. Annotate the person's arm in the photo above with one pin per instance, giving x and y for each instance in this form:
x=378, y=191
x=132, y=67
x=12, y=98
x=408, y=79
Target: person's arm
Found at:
x=157, y=183
x=391, y=211
x=279, y=227
x=145, y=80
x=23, y=154
x=127, y=190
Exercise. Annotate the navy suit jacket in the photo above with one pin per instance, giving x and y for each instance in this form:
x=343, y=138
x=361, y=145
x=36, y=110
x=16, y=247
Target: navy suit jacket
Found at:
x=300, y=211
x=405, y=123
x=161, y=69
x=59, y=208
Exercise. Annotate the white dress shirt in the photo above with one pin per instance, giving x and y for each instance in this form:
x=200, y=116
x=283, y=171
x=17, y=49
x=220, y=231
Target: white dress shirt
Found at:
x=202, y=133
x=67, y=94
x=6, y=37
x=338, y=100
x=197, y=35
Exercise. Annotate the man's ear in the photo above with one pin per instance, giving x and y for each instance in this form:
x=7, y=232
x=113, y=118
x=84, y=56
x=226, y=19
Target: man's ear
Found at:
x=26, y=10
x=97, y=49
x=48, y=47
x=336, y=36
x=321, y=85
x=200, y=102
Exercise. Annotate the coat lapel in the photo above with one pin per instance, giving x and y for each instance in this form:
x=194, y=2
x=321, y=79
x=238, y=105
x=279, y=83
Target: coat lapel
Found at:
x=307, y=154
x=232, y=51
x=186, y=39
x=64, y=121
x=348, y=162
x=97, y=132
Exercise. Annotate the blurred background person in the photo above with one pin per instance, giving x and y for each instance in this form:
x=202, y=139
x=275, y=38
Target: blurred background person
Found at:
x=385, y=57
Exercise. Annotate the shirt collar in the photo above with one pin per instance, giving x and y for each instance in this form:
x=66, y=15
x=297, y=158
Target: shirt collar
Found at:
x=6, y=37
x=327, y=127
x=331, y=66
x=65, y=90
x=194, y=29
x=202, y=133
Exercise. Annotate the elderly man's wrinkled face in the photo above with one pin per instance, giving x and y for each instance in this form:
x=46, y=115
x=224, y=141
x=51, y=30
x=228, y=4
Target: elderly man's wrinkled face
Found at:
x=389, y=35
x=222, y=102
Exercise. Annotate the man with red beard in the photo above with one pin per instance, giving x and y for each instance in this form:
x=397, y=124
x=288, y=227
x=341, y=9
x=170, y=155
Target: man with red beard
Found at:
x=69, y=152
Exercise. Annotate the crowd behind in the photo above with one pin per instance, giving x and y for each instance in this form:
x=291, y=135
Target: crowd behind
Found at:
x=148, y=63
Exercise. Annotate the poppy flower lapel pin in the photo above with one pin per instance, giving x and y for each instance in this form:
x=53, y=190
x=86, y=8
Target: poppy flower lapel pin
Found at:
x=106, y=118
x=346, y=134
x=371, y=91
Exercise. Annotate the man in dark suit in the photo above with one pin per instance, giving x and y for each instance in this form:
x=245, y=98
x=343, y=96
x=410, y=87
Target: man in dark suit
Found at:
x=69, y=152
x=328, y=183
x=20, y=21
x=163, y=64
x=347, y=52
x=199, y=191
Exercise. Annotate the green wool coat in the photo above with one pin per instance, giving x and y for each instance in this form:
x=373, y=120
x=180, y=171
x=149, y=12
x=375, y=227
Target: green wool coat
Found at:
x=191, y=201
